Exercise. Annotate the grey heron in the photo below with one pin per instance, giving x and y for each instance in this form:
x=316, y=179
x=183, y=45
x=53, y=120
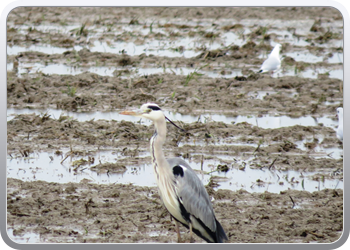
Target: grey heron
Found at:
x=340, y=125
x=273, y=62
x=180, y=189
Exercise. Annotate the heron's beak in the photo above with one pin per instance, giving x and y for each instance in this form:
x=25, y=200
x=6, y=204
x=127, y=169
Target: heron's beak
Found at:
x=135, y=112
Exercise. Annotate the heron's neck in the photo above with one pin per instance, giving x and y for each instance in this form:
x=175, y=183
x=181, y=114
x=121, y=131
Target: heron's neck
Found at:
x=157, y=141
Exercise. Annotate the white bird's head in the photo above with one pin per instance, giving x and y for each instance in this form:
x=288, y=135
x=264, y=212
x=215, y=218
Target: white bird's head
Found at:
x=340, y=113
x=276, y=50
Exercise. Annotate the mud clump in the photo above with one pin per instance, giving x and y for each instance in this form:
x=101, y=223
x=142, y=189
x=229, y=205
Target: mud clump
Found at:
x=109, y=167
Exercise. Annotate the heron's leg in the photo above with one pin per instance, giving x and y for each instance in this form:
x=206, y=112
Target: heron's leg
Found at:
x=178, y=232
x=191, y=238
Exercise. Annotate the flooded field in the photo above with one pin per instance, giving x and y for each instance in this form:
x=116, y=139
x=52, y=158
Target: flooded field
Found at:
x=264, y=145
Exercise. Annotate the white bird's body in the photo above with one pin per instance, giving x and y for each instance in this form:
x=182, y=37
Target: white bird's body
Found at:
x=273, y=62
x=180, y=189
x=340, y=125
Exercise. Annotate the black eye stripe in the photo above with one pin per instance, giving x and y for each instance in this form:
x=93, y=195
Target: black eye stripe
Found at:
x=154, y=107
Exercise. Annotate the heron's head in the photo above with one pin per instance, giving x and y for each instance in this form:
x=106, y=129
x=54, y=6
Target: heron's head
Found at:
x=149, y=111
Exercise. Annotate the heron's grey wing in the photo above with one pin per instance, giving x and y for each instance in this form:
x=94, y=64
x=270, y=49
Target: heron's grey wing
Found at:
x=193, y=195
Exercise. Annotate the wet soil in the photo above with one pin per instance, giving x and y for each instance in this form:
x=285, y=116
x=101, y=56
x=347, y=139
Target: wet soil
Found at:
x=89, y=212
x=85, y=212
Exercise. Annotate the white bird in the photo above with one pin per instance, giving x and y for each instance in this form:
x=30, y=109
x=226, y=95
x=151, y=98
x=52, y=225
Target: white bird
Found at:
x=180, y=189
x=340, y=125
x=273, y=62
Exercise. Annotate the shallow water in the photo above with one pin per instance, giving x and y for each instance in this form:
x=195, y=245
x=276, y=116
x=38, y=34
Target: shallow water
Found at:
x=39, y=166
x=25, y=238
x=321, y=152
x=154, y=47
x=313, y=73
x=168, y=46
x=260, y=94
x=62, y=69
x=47, y=49
x=264, y=121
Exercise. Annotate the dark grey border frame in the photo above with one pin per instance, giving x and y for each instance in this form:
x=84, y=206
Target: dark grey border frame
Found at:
x=3, y=133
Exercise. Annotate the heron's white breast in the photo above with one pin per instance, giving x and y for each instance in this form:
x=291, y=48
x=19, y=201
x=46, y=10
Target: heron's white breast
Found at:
x=168, y=195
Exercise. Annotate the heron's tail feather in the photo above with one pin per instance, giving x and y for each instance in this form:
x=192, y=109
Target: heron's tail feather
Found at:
x=220, y=233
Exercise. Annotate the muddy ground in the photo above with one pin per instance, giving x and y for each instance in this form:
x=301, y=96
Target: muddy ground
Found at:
x=88, y=212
